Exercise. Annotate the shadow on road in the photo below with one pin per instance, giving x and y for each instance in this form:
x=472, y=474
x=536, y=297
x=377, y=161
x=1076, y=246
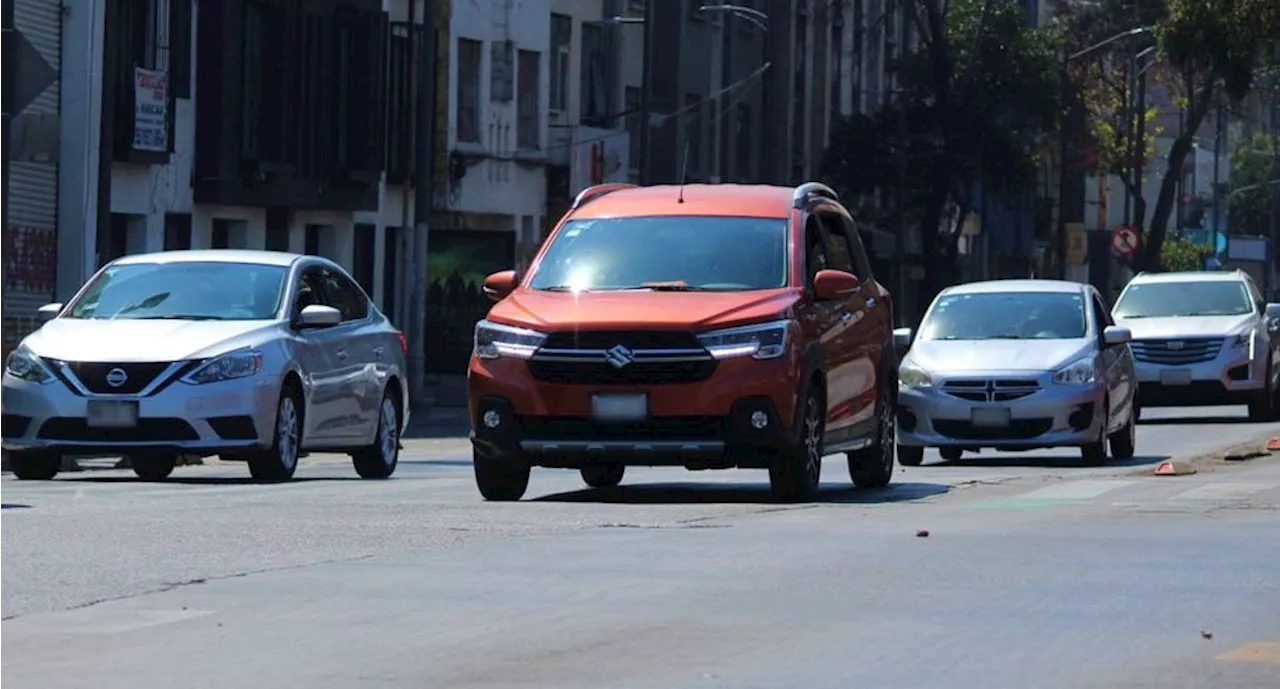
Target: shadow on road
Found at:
x=1194, y=420
x=1056, y=462
x=206, y=480
x=738, y=494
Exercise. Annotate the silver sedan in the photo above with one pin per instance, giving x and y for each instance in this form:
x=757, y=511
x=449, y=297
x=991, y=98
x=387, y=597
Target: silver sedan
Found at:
x=251, y=355
x=1016, y=365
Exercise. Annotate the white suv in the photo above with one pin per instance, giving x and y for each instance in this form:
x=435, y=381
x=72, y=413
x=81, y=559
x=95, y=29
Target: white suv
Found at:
x=1202, y=338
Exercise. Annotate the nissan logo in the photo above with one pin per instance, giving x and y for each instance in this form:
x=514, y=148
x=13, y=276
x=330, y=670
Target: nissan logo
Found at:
x=619, y=356
x=117, y=377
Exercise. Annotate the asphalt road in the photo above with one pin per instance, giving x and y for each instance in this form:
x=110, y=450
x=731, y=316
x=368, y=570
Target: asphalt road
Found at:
x=1034, y=573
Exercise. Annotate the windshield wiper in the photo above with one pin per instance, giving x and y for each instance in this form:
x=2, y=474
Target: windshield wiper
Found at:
x=176, y=317
x=673, y=286
x=562, y=288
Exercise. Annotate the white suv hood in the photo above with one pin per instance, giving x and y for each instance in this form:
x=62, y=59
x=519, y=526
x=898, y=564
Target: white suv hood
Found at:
x=1185, y=326
x=133, y=340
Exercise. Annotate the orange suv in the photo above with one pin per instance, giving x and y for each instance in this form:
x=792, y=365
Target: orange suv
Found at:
x=701, y=326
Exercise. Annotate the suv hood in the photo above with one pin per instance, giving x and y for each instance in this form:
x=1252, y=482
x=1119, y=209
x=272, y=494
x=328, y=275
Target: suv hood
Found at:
x=964, y=356
x=1185, y=326
x=129, y=340
x=640, y=309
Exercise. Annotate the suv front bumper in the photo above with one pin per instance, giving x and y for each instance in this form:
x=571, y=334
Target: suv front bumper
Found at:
x=1230, y=377
x=702, y=425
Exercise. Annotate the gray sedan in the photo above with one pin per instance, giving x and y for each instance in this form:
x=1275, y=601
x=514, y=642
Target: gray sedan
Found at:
x=251, y=355
x=1016, y=365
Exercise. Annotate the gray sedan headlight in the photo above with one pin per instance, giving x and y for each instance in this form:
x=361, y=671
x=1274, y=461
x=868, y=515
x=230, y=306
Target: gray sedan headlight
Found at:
x=912, y=376
x=1079, y=372
x=230, y=366
x=26, y=366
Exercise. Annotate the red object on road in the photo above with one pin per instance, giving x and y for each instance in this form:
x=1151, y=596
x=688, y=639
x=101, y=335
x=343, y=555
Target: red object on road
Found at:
x=1273, y=444
x=1125, y=241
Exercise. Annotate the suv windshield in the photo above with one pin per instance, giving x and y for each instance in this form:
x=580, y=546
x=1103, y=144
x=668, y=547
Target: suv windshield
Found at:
x=1195, y=298
x=183, y=291
x=1006, y=316
x=683, y=252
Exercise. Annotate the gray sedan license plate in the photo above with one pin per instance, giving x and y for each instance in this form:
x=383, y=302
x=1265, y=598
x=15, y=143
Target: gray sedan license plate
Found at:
x=620, y=407
x=112, y=413
x=990, y=417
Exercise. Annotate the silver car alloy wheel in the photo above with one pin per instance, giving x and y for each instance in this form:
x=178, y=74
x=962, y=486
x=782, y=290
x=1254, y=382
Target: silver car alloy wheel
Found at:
x=388, y=432
x=287, y=433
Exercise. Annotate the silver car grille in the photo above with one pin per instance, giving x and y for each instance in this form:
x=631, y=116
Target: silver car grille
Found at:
x=991, y=389
x=1177, y=351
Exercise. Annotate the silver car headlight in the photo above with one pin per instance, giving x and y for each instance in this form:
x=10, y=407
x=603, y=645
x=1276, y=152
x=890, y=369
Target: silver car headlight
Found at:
x=912, y=376
x=231, y=366
x=493, y=340
x=761, y=341
x=1244, y=340
x=1079, y=372
x=25, y=365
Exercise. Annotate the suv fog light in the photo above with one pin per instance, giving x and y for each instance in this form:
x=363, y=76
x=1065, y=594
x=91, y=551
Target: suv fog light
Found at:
x=491, y=419
x=759, y=420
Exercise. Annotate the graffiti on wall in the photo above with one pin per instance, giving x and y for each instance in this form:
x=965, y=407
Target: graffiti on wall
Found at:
x=31, y=259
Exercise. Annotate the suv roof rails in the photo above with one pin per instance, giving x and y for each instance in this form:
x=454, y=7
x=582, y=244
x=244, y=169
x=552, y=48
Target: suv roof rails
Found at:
x=801, y=197
x=594, y=192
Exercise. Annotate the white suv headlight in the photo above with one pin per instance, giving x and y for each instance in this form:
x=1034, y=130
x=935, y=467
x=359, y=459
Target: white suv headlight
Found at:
x=26, y=366
x=1243, y=340
x=912, y=376
x=1079, y=372
x=229, y=366
x=493, y=340
x=761, y=341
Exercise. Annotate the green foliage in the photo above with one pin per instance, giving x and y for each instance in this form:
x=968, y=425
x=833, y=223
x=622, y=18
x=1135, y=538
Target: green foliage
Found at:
x=1182, y=254
x=1255, y=185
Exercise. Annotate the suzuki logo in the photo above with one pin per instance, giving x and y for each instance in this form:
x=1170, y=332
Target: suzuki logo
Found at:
x=117, y=377
x=1176, y=345
x=619, y=356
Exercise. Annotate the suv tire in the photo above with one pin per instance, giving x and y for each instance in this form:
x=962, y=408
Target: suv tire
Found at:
x=500, y=478
x=795, y=475
x=34, y=465
x=872, y=467
x=910, y=455
x=603, y=475
x=1262, y=407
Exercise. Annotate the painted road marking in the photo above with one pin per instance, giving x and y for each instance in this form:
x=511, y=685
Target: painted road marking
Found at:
x=103, y=620
x=1223, y=491
x=1256, y=652
x=1069, y=493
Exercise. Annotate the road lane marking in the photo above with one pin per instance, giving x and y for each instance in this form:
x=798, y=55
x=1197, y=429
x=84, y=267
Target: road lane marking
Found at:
x=1076, y=490
x=101, y=620
x=1223, y=491
x=1256, y=652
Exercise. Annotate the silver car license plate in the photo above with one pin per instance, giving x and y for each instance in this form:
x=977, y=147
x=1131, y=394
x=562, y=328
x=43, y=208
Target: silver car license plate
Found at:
x=620, y=407
x=990, y=417
x=112, y=413
x=1175, y=376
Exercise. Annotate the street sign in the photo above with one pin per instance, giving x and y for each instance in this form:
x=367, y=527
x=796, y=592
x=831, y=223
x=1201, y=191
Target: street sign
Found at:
x=31, y=77
x=1124, y=241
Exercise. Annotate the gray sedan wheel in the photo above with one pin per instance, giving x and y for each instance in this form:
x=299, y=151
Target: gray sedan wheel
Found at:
x=279, y=462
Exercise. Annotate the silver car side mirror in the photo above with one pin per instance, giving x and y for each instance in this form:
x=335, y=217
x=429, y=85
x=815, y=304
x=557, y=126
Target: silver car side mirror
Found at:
x=1114, y=335
x=49, y=311
x=902, y=337
x=318, y=316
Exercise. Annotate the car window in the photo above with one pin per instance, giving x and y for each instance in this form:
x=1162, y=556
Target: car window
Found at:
x=1100, y=315
x=186, y=290
x=844, y=238
x=836, y=243
x=815, y=254
x=310, y=292
x=1006, y=316
x=676, y=252
x=342, y=294
x=1192, y=298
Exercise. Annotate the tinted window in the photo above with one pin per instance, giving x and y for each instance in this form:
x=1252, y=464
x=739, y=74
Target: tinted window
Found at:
x=839, y=254
x=815, y=253
x=1163, y=299
x=711, y=253
x=186, y=290
x=1006, y=316
x=343, y=295
x=310, y=292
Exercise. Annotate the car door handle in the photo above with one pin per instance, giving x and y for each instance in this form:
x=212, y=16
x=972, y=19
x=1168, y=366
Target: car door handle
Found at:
x=871, y=302
x=377, y=351
x=342, y=353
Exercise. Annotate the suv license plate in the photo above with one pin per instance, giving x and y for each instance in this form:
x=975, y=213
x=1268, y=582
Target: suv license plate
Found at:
x=1175, y=376
x=615, y=407
x=990, y=417
x=112, y=413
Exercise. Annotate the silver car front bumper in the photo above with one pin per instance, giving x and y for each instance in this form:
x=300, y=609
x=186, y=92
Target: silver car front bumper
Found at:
x=1198, y=371
x=1041, y=415
x=198, y=419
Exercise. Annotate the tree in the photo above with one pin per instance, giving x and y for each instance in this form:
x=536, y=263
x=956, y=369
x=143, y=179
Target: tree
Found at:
x=1255, y=185
x=1183, y=254
x=979, y=81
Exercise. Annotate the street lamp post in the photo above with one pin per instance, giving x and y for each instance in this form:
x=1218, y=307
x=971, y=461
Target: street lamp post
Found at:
x=1064, y=85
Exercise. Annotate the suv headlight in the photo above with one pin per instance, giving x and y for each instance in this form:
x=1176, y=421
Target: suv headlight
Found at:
x=493, y=340
x=27, y=366
x=1078, y=372
x=230, y=366
x=912, y=376
x=1243, y=340
x=762, y=341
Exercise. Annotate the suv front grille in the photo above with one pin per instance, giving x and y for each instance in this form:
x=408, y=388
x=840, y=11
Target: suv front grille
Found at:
x=1177, y=351
x=621, y=358
x=631, y=339
x=601, y=372
x=94, y=375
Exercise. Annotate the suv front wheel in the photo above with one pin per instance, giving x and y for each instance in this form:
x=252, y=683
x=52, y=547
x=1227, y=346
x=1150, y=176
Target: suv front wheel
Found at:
x=872, y=467
x=795, y=475
x=1263, y=405
x=500, y=478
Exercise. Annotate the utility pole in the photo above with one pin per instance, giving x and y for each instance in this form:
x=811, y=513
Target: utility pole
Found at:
x=423, y=188
x=8, y=80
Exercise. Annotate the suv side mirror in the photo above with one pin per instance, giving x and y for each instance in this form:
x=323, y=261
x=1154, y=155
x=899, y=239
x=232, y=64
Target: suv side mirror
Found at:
x=1114, y=335
x=318, y=316
x=49, y=311
x=499, y=285
x=1272, y=312
x=834, y=284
